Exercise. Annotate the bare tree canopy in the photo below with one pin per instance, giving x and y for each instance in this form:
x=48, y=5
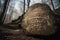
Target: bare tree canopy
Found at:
x=16, y=7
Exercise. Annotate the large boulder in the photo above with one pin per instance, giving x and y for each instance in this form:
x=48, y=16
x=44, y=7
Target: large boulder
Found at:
x=39, y=20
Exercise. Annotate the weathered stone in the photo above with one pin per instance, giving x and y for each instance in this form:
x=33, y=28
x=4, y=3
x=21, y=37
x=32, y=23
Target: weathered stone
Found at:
x=39, y=19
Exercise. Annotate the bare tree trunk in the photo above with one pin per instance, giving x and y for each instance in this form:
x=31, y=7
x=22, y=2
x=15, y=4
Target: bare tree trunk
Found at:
x=3, y=13
x=28, y=1
x=53, y=7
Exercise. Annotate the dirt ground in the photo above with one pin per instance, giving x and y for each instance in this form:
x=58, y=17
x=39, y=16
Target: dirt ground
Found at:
x=23, y=36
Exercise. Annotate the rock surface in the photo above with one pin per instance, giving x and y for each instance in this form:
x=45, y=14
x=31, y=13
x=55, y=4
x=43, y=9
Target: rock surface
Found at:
x=39, y=20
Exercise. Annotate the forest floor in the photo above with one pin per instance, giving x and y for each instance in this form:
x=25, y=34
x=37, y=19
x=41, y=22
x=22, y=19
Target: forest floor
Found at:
x=22, y=36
